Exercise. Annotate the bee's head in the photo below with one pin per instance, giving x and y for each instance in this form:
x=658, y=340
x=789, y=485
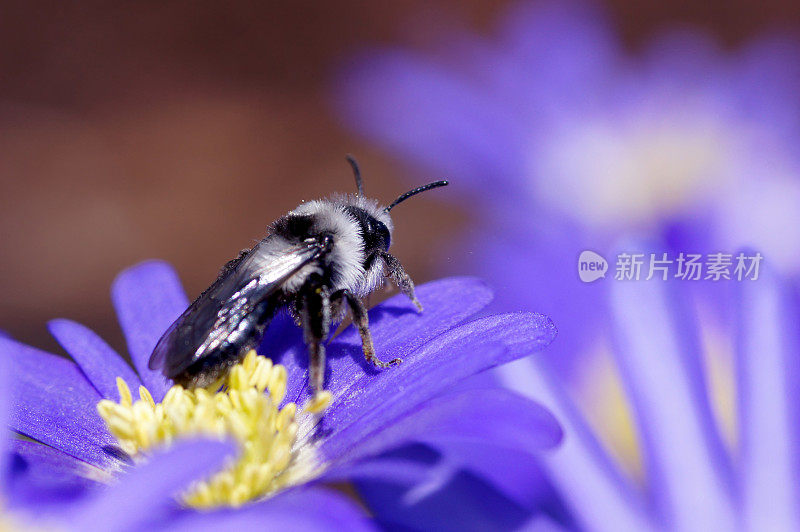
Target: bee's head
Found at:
x=362, y=230
x=375, y=227
x=375, y=222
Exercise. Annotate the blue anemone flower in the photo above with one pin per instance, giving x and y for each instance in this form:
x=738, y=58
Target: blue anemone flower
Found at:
x=43, y=486
x=56, y=401
x=144, y=497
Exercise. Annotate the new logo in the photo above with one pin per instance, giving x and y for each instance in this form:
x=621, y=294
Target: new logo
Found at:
x=591, y=266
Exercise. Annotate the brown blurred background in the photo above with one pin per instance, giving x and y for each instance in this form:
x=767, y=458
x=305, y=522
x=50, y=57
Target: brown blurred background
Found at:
x=179, y=130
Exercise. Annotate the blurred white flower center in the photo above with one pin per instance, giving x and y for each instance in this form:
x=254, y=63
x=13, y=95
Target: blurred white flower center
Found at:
x=635, y=169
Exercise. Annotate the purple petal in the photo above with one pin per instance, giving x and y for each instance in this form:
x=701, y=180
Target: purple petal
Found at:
x=491, y=432
x=382, y=468
x=311, y=509
x=430, y=115
x=444, y=498
x=543, y=523
x=397, y=328
x=551, y=288
x=353, y=418
x=593, y=488
x=396, y=323
x=5, y=412
x=496, y=436
x=566, y=50
x=43, y=475
x=55, y=404
x=513, y=472
x=101, y=364
x=505, y=420
x=659, y=358
x=767, y=393
x=148, y=298
x=144, y=495
x=769, y=79
x=374, y=401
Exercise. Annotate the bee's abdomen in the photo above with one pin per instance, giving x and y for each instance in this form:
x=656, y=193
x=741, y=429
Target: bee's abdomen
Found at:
x=210, y=367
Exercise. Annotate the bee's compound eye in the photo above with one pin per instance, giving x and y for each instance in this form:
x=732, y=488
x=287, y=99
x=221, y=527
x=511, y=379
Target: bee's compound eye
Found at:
x=375, y=233
x=383, y=231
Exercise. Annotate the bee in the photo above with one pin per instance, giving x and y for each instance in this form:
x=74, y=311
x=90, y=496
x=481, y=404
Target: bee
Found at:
x=317, y=261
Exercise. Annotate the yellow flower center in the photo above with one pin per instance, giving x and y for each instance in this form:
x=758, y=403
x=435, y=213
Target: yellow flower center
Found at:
x=239, y=409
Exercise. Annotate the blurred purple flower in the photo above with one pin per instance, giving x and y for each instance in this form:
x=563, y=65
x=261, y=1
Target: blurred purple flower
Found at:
x=553, y=115
x=564, y=142
x=693, y=478
x=54, y=401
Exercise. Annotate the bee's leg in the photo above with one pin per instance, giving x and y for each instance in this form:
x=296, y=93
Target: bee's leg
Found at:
x=314, y=309
x=361, y=321
x=395, y=272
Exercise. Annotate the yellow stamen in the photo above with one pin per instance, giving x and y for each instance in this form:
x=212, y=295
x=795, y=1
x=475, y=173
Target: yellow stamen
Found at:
x=124, y=392
x=319, y=402
x=240, y=409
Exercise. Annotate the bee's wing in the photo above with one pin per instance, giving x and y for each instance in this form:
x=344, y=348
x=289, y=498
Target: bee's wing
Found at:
x=218, y=312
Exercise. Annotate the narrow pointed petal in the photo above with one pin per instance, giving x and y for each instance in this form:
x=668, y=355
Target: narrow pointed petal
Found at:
x=396, y=323
x=502, y=420
x=376, y=405
x=659, y=357
x=475, y=134
x=768, y=375
x=374, y=401
x=397, y=329
x=145, y=494
x=148, y=298
x=52, y=402
x=593, y=487
x=101, y=364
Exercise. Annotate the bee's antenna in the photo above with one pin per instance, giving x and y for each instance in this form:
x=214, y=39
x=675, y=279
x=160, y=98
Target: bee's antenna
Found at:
x=356, y=173
x=403, y=197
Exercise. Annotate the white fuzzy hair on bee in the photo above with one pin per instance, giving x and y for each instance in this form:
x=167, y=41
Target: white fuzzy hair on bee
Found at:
x=349, y=251
x=317, y=261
